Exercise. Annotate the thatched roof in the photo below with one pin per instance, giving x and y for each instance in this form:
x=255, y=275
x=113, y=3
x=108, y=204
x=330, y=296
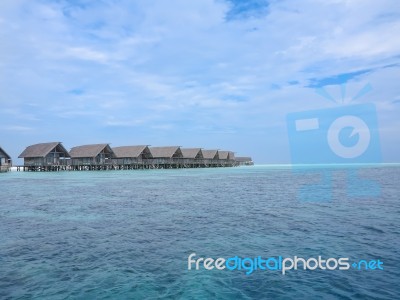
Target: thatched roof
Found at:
x=223, y=154
x=131, y=151
x=226, y=155
x=90, y=150
x=41, y=150
x=192, y=153
x=210, y=154
x=231, y=155
x=243, y=159
x=3, y=154
x=165, y=152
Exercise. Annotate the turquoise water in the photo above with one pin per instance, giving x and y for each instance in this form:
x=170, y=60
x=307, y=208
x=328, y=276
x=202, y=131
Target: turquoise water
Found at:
x=128, y=234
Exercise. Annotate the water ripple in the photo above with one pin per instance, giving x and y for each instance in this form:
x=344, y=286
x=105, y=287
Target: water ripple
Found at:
x=127, y=235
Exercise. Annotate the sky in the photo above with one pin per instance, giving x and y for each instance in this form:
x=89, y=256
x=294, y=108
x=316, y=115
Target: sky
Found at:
x=216, y=74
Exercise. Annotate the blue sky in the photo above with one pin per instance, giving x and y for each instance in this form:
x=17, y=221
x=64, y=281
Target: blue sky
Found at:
x=213, y=74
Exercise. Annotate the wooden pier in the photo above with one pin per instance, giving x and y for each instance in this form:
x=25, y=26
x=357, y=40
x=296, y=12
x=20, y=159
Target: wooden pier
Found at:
x=139, y=166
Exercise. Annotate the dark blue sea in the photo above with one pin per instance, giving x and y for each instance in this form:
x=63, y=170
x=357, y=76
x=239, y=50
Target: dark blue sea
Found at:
x=128, y=234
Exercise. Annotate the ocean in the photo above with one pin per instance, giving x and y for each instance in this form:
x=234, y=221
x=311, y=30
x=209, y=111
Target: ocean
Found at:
x=128, y=234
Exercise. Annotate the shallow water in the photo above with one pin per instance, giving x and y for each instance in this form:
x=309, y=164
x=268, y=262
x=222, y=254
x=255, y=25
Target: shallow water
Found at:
x=128, y=234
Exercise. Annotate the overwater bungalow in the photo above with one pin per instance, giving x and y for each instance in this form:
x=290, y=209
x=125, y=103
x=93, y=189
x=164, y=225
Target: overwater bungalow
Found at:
x=92, y=157
x=244, y=161
x=45, y=156
x=226, y=158
x=192, y=157
x=211, y=157
x=5, y=161
x=166, y=157
x=131, y=157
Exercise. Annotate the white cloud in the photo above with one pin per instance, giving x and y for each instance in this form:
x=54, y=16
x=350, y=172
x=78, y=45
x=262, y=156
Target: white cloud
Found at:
x=145, y=64
x=17, y=128
x=371, y=44
x=86, y=54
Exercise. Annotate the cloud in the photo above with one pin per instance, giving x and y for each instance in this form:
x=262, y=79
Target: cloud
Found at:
x=17, y=128
x=200, y=68
x=86, y=54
